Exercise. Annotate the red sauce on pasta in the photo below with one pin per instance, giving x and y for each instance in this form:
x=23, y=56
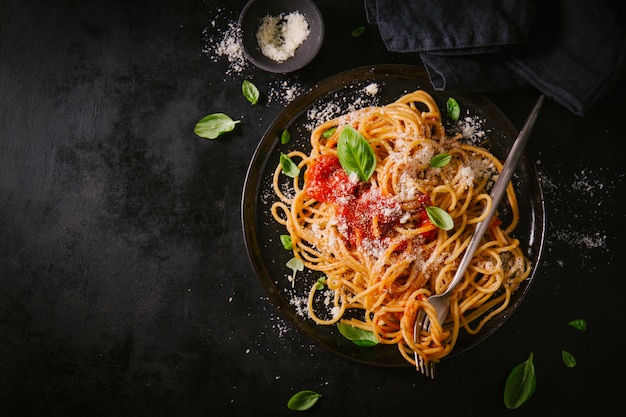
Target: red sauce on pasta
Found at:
x=327, y=182
x=363, y=213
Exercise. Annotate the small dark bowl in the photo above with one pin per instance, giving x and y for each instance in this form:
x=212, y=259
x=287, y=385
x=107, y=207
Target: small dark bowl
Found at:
x=249, y=22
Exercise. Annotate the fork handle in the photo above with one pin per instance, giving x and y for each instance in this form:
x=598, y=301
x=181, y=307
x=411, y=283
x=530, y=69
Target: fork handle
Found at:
x=498, y=191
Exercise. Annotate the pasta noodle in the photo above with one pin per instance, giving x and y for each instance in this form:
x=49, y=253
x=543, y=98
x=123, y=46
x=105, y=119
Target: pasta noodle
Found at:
x=374, y=241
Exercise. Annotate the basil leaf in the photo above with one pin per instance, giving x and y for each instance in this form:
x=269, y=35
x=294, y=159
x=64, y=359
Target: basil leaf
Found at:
x=520, y=384
x=355, y=153
x=303, y=400
x=296, y=264
x=440, y=160
x=250, y=92
x=454, y=111
x=285, y=240
x=285, y=137
x=319, y=284
x=578, y=324
x=358, y=31
x=213, y=125
x=289, y=167
x=359, y=337
x=439, y=217
x=365, y=343
x=568, y=359
x=329, y=132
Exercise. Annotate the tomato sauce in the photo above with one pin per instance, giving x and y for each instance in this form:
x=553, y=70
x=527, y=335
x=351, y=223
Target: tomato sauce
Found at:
x=362, y=212
x=327, y=182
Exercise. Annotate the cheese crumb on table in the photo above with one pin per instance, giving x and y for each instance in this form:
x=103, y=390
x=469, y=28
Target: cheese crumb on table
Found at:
x=280, y=36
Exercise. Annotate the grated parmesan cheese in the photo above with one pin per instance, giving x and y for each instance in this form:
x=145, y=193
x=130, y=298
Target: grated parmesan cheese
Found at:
x=466, y=179
x=280, y=36
x=223, y=39
x=372, y=89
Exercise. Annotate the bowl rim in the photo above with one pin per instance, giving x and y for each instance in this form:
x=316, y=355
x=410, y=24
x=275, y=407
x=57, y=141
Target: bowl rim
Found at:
x=314, y=40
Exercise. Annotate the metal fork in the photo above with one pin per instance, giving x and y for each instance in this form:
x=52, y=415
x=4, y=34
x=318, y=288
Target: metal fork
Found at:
x=440, y=301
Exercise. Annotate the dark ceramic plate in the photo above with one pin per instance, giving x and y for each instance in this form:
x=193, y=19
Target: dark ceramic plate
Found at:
x=256, y=10
x=338, y=95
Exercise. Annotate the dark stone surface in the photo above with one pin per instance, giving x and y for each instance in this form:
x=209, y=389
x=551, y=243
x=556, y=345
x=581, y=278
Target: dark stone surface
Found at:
x=125, y=287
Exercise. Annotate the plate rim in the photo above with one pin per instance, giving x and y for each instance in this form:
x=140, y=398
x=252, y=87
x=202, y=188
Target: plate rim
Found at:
x=333, y=83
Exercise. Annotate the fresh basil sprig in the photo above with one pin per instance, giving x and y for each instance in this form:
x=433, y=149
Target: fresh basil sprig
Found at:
x=520, y=384
x=454, y=110
x=250, y=92
x=357, y=31
x=285, y=240
x=303, y=400
x=440, y=160
x=568, y=359
x=213, y=125
x=289, y=167
x=285, y=136
x=440, y=218
x=359, y=337
x=329, y=132
x=319, y=284
x=296, y=264
x=578, y=324
x=355, y=153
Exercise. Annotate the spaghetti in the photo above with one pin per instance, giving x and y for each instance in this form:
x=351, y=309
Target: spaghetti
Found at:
x=373, y=239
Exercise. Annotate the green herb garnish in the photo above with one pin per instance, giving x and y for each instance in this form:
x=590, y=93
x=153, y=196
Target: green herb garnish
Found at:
x=329, y=132
x=520, y=384
x=319, y=284
x=358, y=31
x=568, y=359
x=439, y=217
x=285, y=137
x=289, y=167
x=355, y=153
x=213, y=125
x=578, y=324
x=250, y=92
x=359, y=337
x=295, y=264
x=303, y=400
x=440, y=160
x=285, y=240
x=454, y=111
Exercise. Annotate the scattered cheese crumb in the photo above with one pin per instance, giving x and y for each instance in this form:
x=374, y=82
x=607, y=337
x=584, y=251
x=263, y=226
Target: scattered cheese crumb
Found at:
x=372, y=89
x=224, y=40
x=284, y=91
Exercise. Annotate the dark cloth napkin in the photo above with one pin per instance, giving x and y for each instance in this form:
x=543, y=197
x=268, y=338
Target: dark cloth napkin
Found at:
x=573, y=51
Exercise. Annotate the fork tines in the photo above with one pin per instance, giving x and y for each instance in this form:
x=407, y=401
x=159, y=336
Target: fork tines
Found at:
x=425, y=368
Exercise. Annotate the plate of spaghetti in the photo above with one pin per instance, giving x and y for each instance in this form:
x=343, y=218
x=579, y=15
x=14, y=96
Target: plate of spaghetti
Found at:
x=360, y=200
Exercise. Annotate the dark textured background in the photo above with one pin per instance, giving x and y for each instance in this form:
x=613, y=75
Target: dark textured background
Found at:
x=125, y=289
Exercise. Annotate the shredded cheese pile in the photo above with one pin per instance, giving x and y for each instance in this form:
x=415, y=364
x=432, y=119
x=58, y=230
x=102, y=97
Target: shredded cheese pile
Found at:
x=280, y=36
